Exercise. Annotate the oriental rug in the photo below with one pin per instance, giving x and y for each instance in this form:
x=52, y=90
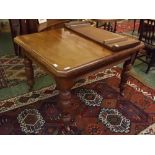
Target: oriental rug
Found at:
x=99, y=109
x=12, y=71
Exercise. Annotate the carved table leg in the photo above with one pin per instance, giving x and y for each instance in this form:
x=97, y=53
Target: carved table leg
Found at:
x=29, y=72
x=124, y=76
x=125, y=73
x=65, y=99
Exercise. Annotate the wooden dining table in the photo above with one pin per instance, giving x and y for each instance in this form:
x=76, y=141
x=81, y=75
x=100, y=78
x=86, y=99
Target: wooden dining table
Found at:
x=66, y=55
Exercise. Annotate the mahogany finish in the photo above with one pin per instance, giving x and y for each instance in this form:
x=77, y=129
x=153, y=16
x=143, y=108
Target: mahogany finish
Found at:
x=66, y=56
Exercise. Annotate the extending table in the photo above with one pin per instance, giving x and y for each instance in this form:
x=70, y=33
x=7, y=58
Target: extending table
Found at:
x=66, y=55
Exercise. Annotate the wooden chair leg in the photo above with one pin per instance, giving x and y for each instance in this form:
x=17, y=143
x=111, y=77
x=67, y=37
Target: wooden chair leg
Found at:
x=150, y=63
x=134, y=58
x=134, y=25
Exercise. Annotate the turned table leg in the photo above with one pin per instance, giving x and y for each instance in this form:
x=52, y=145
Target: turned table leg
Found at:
x=65, y=99
x=64, y=104
x=125, y=72
x=29, y=72
x=124, y=76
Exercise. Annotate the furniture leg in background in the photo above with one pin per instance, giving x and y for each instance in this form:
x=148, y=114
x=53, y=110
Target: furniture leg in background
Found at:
x=151, y=61
x=29, y=72
x=134, y=26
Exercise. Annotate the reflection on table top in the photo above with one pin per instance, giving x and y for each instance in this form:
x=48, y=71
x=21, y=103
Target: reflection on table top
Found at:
x=63, y=50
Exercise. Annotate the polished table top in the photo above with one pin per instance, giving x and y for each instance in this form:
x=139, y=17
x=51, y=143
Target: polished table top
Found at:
x=65, y=53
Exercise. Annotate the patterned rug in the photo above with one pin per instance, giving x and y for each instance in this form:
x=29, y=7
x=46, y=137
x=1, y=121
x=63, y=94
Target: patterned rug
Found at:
x=127, y=26
x=12, y=71
x=101, y=110
x=96, y=101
